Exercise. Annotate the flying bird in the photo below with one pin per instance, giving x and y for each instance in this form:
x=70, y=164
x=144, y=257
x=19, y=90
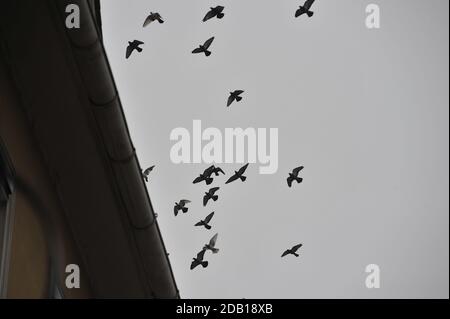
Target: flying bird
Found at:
x=305, y=9
x=133, y=45
x=294, y=176
x=238, y=175
x=212, y=245
x=181, y=206
x=153, y=16
x=214, y=12
x=203, y=48
x=199, y=260
x=292, y=251
x=210, y=195
x=146, y=173
x=206, y=221
x=235, y=95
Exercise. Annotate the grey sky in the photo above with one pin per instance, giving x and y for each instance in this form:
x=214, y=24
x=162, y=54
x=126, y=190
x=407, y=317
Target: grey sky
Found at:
x=365, y=111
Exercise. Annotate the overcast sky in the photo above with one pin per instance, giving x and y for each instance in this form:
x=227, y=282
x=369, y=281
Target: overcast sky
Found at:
x=365, y=111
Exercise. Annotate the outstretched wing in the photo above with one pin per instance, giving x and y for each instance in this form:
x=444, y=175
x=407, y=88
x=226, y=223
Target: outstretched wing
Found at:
x=148, y=170
x=213, y=240
x=232, y=179
x=296, y=247
x=219, y=170
x=201, y=254
x=205, y=200
x=230, y=100
x=148, y=20
x=208, y=43
x=198, y=50
x=238, y=92
x=285, y=253
x=295, y=171
x=211, y=14
x=308, y=4
x=209, y=170
x=137, y=42
x=175, y=210
x=129, y=51
x=289, y=181
x=242, y=169
x=213, y=190
x=194, y=264
x=219, y=9
x=184, y=202
x=209, y=217
x=199, y=224
x=198, y=180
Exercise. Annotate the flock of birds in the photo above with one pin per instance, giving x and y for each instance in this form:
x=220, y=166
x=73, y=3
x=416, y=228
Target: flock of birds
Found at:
x=208, y=174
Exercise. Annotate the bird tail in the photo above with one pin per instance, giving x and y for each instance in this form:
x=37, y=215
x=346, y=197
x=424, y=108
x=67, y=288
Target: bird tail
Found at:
x=207, y=226
x=238, y=98
x=160, y=20
x=204, y=264
x=215, y=198
x=184, y=209
x=209, y=180
x=299, y=179
x=139, y=49
x=243, y=178
x=309, y=13
x=207, y=53
x=220, y=15
x=295, y=254
x=215, y=250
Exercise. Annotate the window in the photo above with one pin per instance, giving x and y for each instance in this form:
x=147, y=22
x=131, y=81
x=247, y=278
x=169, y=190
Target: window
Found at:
x=6, y=200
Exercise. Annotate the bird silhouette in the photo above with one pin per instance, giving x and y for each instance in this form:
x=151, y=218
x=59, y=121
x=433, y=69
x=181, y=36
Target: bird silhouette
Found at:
x=153, y=16
x=199, y=260
x=235, y=95
x=292, y=251
x=210, y=195
x=206, y=221
x=212, y=245
x=305, y=9
x=146, y=173
x=238, y=175
x=294, y=176
x=214, y=12
x=181, y=206
x=203, y=48
x=133, y=45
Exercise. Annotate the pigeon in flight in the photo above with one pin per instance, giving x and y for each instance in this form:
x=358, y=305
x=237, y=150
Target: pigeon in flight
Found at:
x=294, y=176
x=235, y=95
x=133, y=45
x=203, y=177
x=146, y=173
x=305, y=9
x=212, y=244
x=210, y=195
x=181, y=206
x=214, y=12
x=153, y=16
x=292, y=251
x=199, y=260
x=206, y=221
x=238, y=175
x=203, y=48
